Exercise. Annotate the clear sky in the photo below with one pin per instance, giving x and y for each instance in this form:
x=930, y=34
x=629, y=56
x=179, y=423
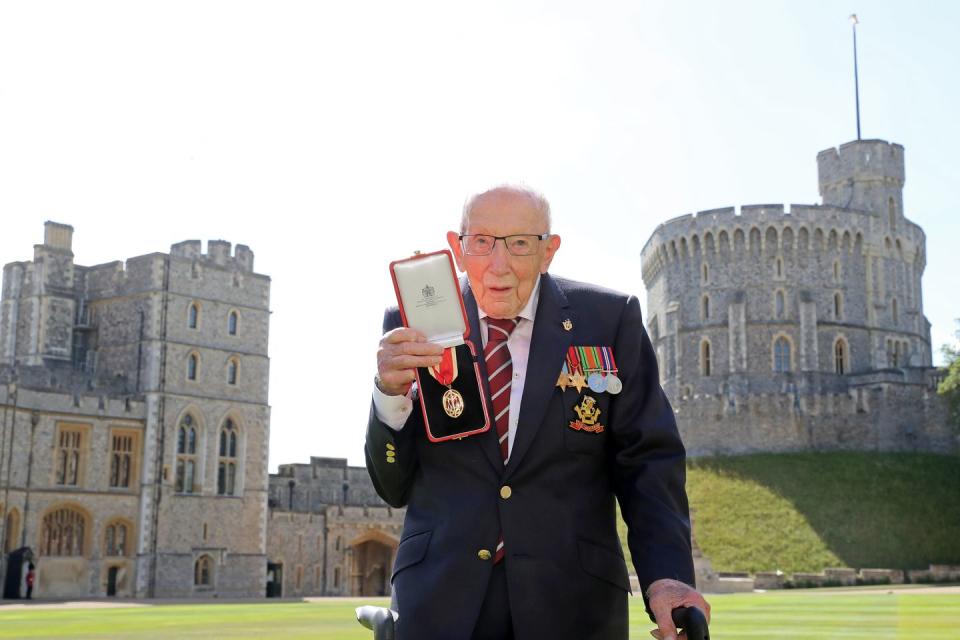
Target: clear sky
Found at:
x=334, y=137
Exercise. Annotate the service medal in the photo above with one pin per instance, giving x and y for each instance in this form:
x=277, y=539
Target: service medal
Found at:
x=614, y=385
x=596, y=382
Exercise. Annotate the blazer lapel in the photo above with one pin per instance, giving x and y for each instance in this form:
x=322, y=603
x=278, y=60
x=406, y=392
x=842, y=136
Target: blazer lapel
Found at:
x=548, y=348
x=487, y=441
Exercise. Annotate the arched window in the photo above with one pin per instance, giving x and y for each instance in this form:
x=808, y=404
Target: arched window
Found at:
x=779, y=267
x=837, y=306
x=705, y=310
x=779, y=304
x=186, y=454
x=227, y=468
x=836, y=271
x=232, y=323
x=63, y=533
x=706, y=273
x=840, y=364
x=233, y=366
x=13, y=530
x=781, y=355
x=892, y=210
x=203, y=571
x=893, y=308
x=115, y=539
x=193, y=363
x=193, y=315
x=705, y=358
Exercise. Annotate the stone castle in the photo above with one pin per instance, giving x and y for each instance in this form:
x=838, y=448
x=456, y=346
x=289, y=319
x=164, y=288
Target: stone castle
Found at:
x=134, y=420
x=795, y=330
x=135, y=424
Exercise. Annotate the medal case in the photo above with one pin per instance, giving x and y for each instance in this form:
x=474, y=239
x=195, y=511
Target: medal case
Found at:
x=428, y=294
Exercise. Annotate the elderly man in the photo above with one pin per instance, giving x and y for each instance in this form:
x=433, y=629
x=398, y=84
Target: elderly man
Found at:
x=512, y=533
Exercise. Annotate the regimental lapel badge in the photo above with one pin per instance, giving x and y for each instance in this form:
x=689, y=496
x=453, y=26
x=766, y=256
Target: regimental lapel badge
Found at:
x=589, y=414
x=567, y=324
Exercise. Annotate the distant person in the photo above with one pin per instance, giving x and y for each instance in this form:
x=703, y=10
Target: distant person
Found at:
x=512, y=533
x=31, y=577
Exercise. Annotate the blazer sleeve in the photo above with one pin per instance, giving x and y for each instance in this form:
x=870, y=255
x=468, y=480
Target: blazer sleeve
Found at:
x=391, y=455
x=649, y=461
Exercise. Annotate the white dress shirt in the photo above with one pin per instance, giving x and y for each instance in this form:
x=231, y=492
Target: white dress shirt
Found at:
x=393, y=411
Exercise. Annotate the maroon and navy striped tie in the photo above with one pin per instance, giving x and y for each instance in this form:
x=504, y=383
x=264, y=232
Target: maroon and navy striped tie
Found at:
x=500, y=374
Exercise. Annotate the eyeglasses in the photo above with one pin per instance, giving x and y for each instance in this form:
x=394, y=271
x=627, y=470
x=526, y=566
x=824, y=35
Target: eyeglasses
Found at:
x=522, y=244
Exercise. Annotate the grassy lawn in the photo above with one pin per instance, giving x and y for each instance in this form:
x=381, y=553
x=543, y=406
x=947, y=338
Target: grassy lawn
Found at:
x=804, y=512
x=799, y=615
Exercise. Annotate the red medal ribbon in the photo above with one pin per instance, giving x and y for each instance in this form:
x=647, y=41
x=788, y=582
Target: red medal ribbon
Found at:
x=445, y=372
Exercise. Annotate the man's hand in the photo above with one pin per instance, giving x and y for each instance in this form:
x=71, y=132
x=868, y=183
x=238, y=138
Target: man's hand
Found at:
x=665, y=595
x=401, y=351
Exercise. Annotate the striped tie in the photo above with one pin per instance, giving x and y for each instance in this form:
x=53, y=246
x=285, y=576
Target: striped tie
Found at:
x=500, y=374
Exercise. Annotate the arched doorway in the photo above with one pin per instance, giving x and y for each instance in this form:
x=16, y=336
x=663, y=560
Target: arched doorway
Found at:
x=371, y=561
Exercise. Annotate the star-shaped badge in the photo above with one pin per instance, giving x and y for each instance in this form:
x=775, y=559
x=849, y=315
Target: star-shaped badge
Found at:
x=578, y=381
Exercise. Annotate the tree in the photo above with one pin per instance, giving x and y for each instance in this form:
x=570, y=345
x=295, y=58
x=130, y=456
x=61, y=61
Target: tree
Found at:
x=949, y=387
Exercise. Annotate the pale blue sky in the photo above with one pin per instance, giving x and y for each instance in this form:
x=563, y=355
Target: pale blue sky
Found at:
x=335, y=137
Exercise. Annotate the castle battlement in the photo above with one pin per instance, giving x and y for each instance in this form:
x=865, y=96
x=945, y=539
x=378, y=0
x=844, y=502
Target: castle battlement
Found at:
x=218, y=254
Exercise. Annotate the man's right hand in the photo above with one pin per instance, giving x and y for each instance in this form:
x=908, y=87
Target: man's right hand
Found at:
x=401, y=351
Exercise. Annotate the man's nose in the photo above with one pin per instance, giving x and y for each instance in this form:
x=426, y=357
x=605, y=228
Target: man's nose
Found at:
x=500, y=256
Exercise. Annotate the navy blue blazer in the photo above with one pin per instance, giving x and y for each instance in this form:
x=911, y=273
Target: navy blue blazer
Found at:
x=565, y=570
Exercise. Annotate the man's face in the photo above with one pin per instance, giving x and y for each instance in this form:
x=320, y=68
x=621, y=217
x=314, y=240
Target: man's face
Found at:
x=501, y=282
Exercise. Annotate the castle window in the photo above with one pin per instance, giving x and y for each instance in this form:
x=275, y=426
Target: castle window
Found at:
x=840, y=363
x=123, y=458
x=299, y=577
x=227, y=469
x=836, y=271
x=63, y=533
x=893, y=308
x=186, y=455
x=13, y=531
x=233, y=366
x=705, y=309
x=779, y=303
x=779, y=268
x=193, y=363
x=892, y=210
x=70, y=454
x=781, y=355
x=193, y=315
x=336, y=545
x=203, y=571
x=232, y=323
x=336, y=577
x=705, y=358
x=115, y=539
x=706, y=274
x=837, y=306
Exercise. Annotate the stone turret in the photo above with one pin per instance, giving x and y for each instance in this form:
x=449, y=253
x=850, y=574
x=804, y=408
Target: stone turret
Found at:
x=866, y=175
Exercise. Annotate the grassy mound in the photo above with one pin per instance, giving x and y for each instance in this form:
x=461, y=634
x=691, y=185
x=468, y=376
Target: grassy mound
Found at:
x=805, y=512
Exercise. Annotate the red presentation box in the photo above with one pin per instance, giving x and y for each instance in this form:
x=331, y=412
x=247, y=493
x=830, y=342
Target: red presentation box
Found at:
x=451, y=395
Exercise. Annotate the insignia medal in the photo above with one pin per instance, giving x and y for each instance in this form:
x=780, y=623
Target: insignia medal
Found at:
x=597, y=382
x=445, y=373
x=588, y=414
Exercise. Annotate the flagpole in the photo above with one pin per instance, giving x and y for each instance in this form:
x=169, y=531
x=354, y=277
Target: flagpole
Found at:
x=856, y=78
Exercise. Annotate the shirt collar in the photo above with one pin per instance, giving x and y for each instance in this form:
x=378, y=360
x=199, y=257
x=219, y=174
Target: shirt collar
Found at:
x=529, y=311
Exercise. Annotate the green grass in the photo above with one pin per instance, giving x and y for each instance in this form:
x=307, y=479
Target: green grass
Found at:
x=799, y=615
x=805, y=512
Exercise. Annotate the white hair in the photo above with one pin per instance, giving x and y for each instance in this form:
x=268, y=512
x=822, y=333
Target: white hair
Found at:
x=539, y=201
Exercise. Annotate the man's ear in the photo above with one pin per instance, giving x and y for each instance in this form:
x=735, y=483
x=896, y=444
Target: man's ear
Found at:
x=553, y=243
x=453, y=239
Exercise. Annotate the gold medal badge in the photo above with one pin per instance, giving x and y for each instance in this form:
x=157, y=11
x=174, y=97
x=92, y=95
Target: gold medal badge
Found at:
x=445, y=373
